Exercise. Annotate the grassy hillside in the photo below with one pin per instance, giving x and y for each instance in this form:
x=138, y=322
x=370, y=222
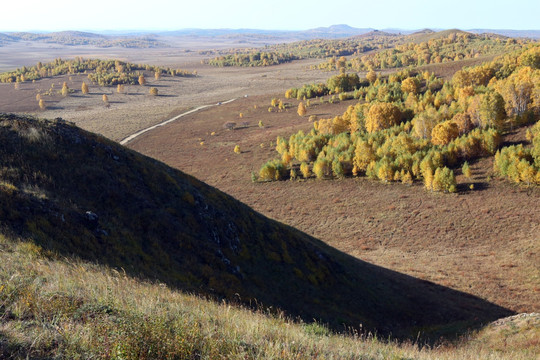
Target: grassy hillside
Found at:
x=66, y=309
x=77, y=194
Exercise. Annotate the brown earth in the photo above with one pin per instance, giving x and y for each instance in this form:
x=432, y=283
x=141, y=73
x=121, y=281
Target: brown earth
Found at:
x=484, y=241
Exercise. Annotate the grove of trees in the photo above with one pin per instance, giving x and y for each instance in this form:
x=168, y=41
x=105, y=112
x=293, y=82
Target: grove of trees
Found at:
x=101, y=72
x=413, y=126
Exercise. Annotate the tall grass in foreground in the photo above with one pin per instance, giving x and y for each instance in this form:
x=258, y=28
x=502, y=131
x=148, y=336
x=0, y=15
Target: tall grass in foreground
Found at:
x=68, y=309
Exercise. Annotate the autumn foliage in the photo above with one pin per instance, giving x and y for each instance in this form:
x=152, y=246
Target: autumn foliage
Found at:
x=414, y=126
x=382, y=116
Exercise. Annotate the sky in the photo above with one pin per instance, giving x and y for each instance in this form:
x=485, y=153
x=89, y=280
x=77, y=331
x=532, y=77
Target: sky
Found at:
x=100, y=15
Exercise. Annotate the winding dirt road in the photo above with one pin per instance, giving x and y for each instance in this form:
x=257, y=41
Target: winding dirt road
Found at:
x=133, y=136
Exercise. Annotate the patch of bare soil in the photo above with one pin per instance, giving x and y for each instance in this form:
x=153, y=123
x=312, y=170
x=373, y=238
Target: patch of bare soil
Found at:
x=484, y=241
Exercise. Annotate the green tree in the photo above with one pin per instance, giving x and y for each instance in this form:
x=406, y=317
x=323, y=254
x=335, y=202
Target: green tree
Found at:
x=444, y=180
x=492, y=110
x=337, y=169
x=466, y=170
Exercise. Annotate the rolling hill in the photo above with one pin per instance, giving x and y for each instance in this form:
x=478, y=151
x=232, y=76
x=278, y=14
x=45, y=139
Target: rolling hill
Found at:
x=80, y=195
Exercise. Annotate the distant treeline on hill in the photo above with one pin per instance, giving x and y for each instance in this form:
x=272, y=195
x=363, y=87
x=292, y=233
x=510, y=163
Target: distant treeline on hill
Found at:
x=453, y=47
x=73, y=38
x=252, y=59
x=397, y=50
x=277, y=54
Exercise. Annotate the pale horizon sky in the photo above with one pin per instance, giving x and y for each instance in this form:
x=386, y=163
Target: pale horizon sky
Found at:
x=163, y=15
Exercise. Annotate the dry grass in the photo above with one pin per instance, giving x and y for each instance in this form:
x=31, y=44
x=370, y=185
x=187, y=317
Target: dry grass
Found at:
x=484, y=242
x=135, y=109
x=53, y=308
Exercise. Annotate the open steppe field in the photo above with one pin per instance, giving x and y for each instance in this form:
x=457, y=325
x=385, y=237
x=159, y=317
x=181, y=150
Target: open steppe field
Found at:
x=484, y=241
x=136, y=109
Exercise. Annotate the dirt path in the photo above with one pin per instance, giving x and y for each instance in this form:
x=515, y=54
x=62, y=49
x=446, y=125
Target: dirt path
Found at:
x=133, y=136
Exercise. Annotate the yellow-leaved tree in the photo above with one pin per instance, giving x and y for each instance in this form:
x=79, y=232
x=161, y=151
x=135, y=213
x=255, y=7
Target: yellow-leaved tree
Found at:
x=371, y=76
x=410, y=85
x=302, y=109
x=142, y=80
x=382, y=116
x=444, y=132
x=520, y=90
x=65, y=89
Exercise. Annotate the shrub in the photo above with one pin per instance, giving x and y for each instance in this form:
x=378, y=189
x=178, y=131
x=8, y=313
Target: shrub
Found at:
x=444, y=180
x=229, y=125
x=272, y=170
x=466, y=170
x=322, y=169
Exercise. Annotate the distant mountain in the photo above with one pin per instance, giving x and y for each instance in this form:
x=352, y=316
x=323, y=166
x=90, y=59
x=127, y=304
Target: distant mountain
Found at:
x=77, y=194
x=337, y=31
x=331, y=32
x=376, y=33
x=5, y=39
x=142, y=39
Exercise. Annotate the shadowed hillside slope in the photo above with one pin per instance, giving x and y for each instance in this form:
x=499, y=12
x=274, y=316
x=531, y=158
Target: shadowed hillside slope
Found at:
x=76, y=193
